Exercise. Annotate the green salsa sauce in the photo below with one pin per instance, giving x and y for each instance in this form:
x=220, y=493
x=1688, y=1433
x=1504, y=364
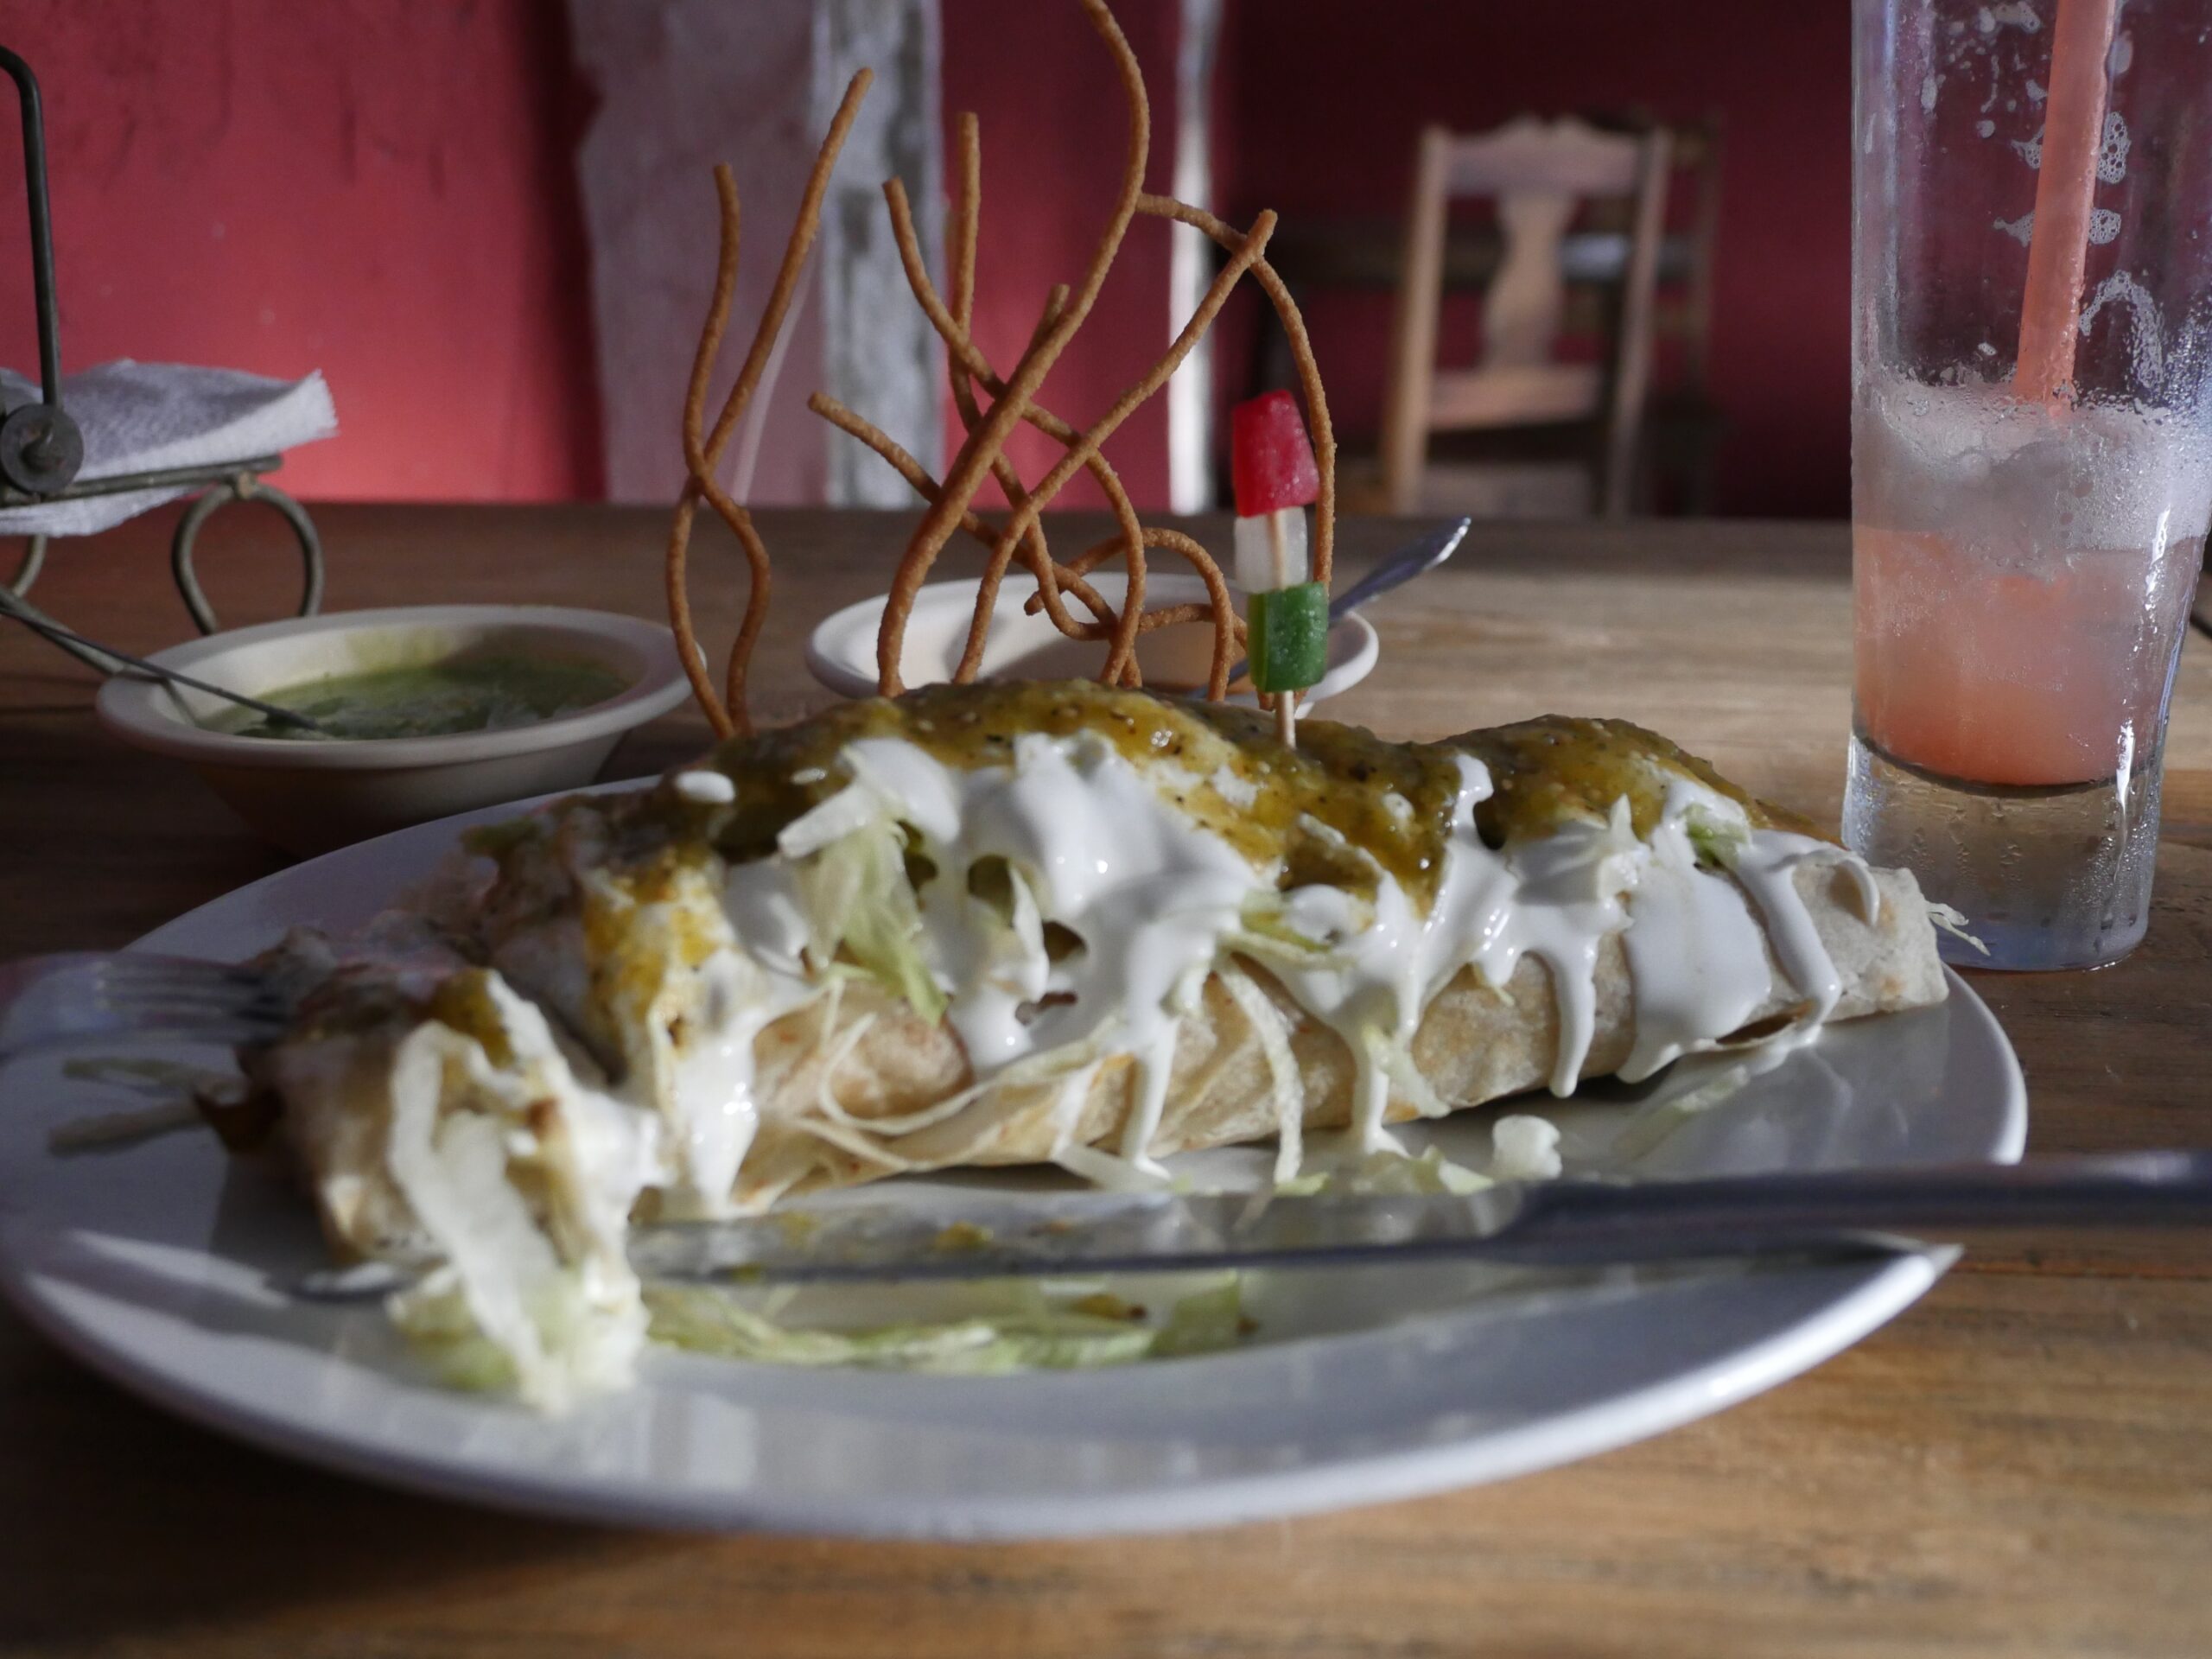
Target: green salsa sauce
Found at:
x=1342, y=788
x=471, y=694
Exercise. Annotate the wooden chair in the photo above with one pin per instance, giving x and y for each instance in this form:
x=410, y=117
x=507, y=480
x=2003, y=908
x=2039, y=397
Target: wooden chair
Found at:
x=1540, y=176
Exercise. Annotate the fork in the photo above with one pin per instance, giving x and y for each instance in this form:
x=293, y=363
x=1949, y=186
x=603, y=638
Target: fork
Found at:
x=1416, y=558
x=46, y=1000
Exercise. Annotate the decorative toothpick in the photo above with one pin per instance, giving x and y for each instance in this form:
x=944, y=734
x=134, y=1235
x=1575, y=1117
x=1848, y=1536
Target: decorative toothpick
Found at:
x=1287, y=612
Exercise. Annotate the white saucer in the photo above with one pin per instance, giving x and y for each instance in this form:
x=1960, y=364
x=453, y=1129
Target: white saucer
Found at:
x=841, y=652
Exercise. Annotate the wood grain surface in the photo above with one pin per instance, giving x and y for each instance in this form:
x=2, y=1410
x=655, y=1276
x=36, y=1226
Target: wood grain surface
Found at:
x=2019, y=1466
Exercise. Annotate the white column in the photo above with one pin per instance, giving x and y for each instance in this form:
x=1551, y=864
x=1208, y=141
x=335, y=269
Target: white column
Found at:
x=683, y=84
x=1191, y=259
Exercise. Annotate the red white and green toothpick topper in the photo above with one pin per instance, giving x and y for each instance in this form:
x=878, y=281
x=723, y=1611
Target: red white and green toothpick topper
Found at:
x=1287, y=616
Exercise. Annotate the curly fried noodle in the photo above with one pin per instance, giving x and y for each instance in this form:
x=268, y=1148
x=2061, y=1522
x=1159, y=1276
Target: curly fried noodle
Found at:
x=1012, y=400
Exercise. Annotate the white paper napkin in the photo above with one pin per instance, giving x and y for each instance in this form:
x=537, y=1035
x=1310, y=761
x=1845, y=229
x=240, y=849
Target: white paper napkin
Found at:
x=138, y=416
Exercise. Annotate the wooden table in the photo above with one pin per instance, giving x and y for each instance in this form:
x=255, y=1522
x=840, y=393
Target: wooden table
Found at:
x=2021, y=1465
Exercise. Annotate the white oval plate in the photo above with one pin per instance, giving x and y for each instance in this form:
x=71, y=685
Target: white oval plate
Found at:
x=841, y=652
x=148, y=1263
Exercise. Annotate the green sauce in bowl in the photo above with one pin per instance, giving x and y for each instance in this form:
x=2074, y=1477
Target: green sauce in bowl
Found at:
x=465, y=693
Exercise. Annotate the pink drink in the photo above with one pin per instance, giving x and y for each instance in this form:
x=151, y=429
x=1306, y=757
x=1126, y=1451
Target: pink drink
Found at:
x=2031, y=450
x=2022, y=576
x=1991, y=675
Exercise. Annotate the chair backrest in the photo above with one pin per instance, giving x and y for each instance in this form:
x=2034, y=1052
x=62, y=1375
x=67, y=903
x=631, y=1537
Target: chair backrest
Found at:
x=1539, y=174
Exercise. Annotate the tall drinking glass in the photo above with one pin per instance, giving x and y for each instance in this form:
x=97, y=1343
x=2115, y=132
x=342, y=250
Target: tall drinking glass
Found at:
x=2031, y=450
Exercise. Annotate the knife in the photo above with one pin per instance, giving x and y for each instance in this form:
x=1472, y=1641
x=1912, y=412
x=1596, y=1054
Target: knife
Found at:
x=1550, y=1224
x=1583, y=1222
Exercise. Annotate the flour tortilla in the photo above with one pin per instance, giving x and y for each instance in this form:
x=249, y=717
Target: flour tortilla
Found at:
x=875, y=1060
x=1474, y=1045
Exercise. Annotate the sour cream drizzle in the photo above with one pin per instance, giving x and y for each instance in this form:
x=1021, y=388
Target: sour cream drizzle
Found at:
x=1089, y=844
x=712, y=1075
x=1696, y=957
x=1154, y=901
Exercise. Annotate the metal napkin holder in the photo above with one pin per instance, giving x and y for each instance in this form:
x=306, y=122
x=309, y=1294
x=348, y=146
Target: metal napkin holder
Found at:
x=41, y=449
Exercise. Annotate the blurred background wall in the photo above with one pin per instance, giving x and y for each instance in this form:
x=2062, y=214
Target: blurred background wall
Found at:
x=385, y=192
x=676, y=85
x=1776, y=72
x=389, y=192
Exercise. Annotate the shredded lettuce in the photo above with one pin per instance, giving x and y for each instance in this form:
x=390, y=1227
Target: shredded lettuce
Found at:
x=1718, y=842
x=1716, y=828
x=1272, y=1028
x=492, y=1164
x=857, y=899
x=1524, y=1148
x=1204, y=1322
x=1016, y=1325
x=1953, y=921
x=1389, y=1173
x=175, y=1091
x=1110, y=1170
x=443, y=1335
x=829, y=821
x=110, y=1131
x=1262, y=921
x=1695, y=1083
x=1395, y=1061
x=442, y=1330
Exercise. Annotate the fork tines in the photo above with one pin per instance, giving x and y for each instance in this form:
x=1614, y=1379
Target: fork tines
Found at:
x=47, y=1000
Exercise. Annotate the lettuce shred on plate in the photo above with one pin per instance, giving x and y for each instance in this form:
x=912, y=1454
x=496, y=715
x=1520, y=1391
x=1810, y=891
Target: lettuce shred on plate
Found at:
x=982, y=1328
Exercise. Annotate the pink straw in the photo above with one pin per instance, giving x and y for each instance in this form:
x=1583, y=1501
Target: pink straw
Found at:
x=2058, y=244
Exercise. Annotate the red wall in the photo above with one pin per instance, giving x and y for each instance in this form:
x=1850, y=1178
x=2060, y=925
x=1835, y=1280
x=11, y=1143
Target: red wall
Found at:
x=386, y=192
x=383, y=192
x=1053, y=124
x=1324, y=99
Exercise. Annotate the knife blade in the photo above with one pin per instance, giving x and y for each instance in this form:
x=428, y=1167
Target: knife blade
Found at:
x=944, y=1234
x=1563, y=1222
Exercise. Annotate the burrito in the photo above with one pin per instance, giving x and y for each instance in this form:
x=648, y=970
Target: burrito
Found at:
x=1042, y=922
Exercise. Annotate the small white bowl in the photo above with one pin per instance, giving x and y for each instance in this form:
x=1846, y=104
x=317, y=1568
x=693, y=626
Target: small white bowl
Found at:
x=309, y=797
x=842, y=652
